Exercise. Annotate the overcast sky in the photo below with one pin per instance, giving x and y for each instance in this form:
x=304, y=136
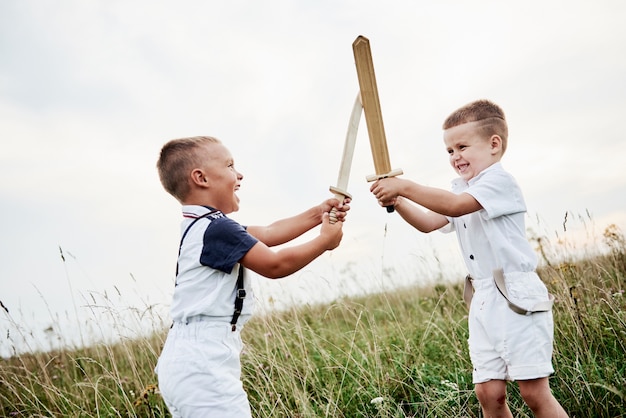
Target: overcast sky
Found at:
x=90, y=91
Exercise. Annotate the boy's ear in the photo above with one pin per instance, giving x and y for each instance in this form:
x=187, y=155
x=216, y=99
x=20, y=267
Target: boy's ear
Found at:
x=496, y=143
x=198, y=178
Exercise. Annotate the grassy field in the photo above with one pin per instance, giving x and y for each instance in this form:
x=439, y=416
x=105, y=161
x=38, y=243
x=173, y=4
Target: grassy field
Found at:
x=399, y=354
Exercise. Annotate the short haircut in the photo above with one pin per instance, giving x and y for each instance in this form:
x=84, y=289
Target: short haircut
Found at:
x=177, y=159
x=489, y=115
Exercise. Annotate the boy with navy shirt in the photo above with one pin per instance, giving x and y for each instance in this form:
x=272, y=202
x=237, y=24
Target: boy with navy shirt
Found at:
x=510, y=322
x=199, y=368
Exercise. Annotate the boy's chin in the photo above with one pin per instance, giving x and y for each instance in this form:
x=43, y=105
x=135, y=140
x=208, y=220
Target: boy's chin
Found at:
x=466, y=175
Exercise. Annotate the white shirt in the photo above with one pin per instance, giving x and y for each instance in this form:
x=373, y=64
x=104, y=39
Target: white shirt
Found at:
x=208, y=265
x=495, y=236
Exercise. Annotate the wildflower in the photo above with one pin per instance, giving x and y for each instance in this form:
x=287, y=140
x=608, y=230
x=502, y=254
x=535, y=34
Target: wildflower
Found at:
x=143, y=398
x=377, y=400
x=450, y=384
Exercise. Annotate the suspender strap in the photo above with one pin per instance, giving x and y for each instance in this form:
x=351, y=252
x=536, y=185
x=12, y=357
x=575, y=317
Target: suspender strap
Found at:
x=240, y=295
x=187, y=230
x=468, y=292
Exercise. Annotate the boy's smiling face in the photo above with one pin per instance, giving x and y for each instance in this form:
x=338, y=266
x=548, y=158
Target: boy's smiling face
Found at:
x=470, y=153
x=221, y=178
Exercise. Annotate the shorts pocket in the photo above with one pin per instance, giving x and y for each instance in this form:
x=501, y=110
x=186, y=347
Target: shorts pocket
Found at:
x=525, y=289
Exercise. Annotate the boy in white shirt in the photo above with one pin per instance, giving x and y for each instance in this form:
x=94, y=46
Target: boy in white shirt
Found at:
x=508, y=339
x=199, y=368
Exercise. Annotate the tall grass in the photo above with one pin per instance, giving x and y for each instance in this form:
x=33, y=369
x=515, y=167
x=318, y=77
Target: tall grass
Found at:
x=394, y=354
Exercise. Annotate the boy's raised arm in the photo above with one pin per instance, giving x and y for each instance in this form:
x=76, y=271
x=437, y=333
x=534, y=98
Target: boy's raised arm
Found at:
x=276, y=264
x=285, y=230
x=437, y=200
x=418, y=218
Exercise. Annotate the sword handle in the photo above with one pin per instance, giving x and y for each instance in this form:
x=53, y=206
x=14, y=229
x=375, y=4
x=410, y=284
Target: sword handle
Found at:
x=340, y=195
x=333, y=212
x=392, y=173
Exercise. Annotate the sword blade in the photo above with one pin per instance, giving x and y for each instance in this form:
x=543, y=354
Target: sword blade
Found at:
x=340, y=191
x=371, y=104
x=371, y=108
x=348, y=147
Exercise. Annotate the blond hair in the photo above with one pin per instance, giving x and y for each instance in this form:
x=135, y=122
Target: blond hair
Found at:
x=177, y=159
x=489, y=115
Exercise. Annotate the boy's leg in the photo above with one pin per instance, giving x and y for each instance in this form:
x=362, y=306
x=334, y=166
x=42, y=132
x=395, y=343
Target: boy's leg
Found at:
x=492, y=398
x=485, y=347
x=538, y=396
x=199, y=372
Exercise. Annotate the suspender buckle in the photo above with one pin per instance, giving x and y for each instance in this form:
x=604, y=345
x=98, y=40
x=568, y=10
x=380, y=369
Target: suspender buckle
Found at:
x=241, y=294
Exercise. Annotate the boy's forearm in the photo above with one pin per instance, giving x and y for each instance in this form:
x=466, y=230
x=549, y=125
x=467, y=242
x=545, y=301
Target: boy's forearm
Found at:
x=440, y=201
x=299, y=256
x=417, y=218
x=284, y=230
x=287, y=260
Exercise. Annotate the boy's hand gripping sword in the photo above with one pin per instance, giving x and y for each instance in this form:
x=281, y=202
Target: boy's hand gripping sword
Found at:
x=373, y=114
x=346, y=161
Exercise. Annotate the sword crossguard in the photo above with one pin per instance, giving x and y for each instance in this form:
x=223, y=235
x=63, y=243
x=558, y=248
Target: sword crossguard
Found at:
x=392, y=173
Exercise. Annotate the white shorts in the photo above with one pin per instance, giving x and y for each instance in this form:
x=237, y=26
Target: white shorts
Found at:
x=200, y=372
x=505, y=345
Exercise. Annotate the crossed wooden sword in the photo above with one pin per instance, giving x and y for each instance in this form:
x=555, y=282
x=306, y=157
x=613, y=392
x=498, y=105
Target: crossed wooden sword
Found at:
x=367, y=101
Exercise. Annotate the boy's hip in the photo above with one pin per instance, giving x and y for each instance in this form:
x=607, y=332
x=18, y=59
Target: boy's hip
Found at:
x=203, y=330
x=523, y=292
x=491, y=319
x=194, y=346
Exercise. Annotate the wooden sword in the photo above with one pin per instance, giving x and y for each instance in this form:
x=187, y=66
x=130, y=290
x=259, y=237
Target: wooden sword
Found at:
x=340, y=191
x=373, y=114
